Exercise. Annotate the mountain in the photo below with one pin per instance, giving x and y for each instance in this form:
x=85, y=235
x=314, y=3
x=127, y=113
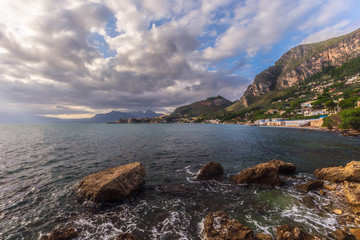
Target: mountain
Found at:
x=116, y=115
x=204, y=107
x=98, y=118
x=300, y=63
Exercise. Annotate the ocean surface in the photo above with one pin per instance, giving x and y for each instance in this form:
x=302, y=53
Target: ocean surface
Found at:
x=41, y=164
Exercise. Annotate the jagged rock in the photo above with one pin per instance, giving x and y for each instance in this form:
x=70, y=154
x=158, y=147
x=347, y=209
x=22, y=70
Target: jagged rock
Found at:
x=286, y=232
x=263, y=236
x=219, y=226
x=265, y=173
x=341, y=235
x=112, y=184
x=352, y=193
x=283, y=167
x=176, y=190
x=355, y=232
x=337, y=211
x=330, y=187
x=67, y=233
x=313, y=185
x=351, y=172
x=125, y=236
x=211, y=170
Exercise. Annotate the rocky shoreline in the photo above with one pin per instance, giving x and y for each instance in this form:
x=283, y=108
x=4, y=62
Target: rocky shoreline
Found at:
x=121, y=182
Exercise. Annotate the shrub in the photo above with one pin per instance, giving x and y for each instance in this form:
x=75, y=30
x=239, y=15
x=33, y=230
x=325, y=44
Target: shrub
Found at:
x=350, y=119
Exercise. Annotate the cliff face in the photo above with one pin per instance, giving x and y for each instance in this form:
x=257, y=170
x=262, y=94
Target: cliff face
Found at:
x=300, y=63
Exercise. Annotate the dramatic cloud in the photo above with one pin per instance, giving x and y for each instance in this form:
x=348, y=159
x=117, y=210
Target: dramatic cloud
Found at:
x=81, y=57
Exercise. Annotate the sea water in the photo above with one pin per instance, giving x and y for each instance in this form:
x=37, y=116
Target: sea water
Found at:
x=41, y=164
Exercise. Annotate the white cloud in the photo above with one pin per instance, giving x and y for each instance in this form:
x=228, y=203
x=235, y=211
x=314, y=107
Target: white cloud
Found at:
x=46, y=58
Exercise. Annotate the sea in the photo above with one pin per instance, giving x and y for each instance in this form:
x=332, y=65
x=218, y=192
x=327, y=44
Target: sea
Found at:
x=40, y=166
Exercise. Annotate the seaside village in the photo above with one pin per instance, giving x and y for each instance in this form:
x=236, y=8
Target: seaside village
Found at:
x=311, y=116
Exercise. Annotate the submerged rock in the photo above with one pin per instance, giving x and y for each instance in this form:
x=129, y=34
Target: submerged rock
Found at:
x=219, y=226
x=125, y=236
x=286, y=232
x=67, y=233
x=265, y=173
x=313, y=185
x=211, y=170
x=351, y=172
x=112, y=184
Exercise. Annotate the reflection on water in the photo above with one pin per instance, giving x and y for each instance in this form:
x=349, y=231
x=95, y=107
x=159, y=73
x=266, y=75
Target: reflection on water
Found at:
x=40, y=164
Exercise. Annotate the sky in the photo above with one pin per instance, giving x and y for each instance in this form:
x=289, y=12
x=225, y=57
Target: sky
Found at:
x=76, y=58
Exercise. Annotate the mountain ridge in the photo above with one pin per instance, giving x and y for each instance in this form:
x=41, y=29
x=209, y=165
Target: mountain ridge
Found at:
x=299, y=63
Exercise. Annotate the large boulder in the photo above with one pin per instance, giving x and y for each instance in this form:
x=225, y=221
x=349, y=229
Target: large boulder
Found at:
x=309, y=186
x=219, y=226
x=64, y=233
x=211, y=170
x=351, y=173
x=265, y=173
x=282, y=167
x=286, y=232
x=112, y=184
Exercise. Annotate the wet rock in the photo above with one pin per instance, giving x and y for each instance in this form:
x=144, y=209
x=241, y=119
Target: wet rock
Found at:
x=218, y=226
x=211, y=170
x=330, y=187
x=264, y=173
x=337, y=211
x=282, y=167
x=321, y=192
x=313, y=185
x=351, y=172
x=309, y=202
x=125, y=236
x=66, y=233
x=352, y=193
x=263, y=236
x=341, y=235
x=286, y=232
x=355, y=232
x=176, y=190
x=112, y=184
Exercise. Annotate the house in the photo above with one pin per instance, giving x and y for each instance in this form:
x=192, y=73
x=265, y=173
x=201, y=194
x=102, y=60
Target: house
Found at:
x=271, y=111
x=307, y=104
x=317, y=112
x=358, y=104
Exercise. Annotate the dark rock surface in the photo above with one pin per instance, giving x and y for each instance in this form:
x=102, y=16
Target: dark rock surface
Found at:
x=211, y=170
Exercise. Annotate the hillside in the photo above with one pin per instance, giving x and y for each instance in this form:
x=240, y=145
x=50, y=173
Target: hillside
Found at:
x=210, y=105
x=297, y=65
x=116, y=115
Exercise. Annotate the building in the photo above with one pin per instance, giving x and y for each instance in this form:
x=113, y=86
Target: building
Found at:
x=358, y=104
x=317, y=112
x=307, y=104
x=271, y=111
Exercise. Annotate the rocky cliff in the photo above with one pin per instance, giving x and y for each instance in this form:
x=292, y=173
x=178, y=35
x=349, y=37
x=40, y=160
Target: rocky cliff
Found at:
x=300, y=63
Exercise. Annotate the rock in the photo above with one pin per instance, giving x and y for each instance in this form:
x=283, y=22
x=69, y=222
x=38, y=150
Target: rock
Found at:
x=286, y=232
x=263, y=236
x=341, y=235
x=321, y=192
x=282, y=167
x=218, y=226
x=313, y=185
x=352, y=193
x=330, y=187
x=67, y=233
x=211, y=170
x=355, y=232
x=265, y=173
x=112, y=184
x=125, y=236
x=176, y=190
x=351, y=172
x=337, y=211
x=309, y=202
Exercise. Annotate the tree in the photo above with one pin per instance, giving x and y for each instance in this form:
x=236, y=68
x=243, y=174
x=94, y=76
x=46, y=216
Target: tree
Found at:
x=330, y=105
